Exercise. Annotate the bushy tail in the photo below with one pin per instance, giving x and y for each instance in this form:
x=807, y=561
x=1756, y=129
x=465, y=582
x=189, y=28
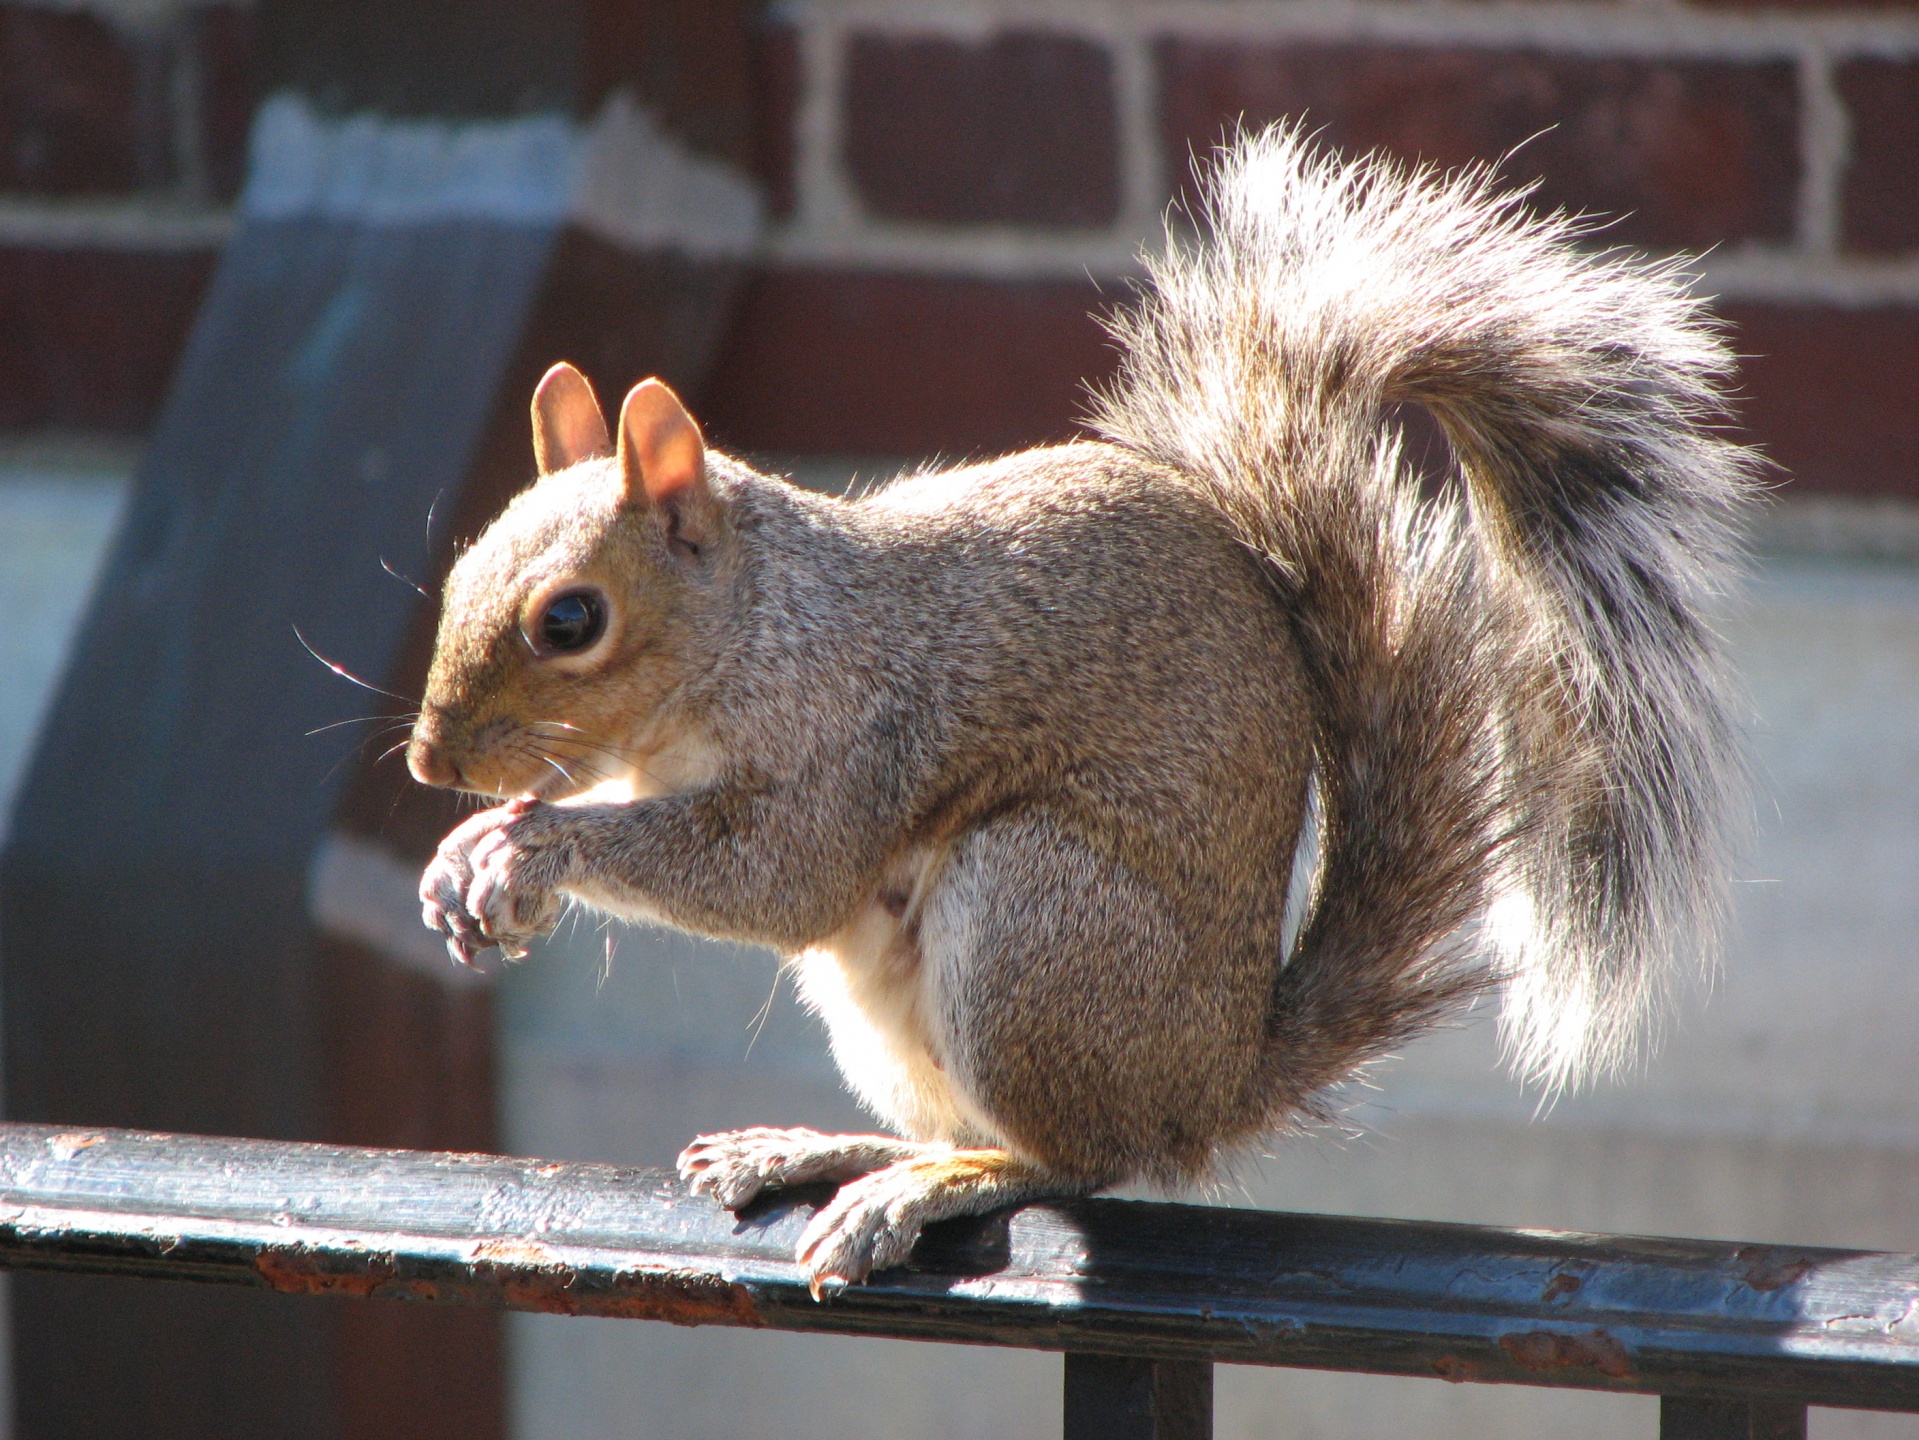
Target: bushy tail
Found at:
x=1526, y=761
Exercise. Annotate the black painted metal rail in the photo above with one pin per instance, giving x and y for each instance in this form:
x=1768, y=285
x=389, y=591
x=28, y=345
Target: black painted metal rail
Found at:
x=1142, y=1297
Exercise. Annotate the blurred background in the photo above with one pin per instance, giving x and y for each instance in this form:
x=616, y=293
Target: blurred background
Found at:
x=275, y=282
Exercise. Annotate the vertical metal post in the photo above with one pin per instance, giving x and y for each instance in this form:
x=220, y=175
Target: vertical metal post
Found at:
x=1114, y=1397
x=1683, y=1417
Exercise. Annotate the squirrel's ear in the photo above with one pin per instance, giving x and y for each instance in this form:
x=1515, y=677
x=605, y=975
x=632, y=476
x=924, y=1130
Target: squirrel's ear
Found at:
x=663, y=460
x=567, y=424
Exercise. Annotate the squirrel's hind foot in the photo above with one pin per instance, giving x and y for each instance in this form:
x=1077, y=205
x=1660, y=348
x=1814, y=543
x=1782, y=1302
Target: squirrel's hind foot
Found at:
x=874, y=1221
x=890, y=1190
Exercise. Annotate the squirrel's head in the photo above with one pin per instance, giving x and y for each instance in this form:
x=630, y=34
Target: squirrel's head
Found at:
x=581, y=607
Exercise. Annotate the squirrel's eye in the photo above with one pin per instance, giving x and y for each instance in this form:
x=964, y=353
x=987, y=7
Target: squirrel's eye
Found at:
x=572, y=622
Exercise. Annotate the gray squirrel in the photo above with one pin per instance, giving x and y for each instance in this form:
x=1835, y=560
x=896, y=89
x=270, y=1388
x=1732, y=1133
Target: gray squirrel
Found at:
x=1014, y=760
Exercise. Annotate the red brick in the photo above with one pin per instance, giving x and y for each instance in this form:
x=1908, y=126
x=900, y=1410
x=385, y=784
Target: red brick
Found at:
x=690, y=61
x=1020, y=129
x=228, y=42
x=828, y=361
x=69, y=104
x=1882, y=180
x=92, y=335
x=1833, y=395
x=1686, y=152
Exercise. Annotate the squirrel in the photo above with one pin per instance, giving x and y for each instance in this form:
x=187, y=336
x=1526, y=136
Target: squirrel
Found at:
x=1019, y=762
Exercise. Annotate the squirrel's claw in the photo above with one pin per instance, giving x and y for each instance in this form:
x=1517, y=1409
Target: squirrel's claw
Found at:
x=825, y=1287
x=463, y=942
x=461, y=953
x=874, y=1222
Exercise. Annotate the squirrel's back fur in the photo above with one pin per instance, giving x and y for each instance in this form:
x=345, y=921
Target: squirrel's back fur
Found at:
x=1525, y=750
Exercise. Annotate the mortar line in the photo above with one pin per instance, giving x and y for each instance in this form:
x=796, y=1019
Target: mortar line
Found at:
x=824, y=205
x=1651, y=30
x=1144, y=180
x=1825, y=143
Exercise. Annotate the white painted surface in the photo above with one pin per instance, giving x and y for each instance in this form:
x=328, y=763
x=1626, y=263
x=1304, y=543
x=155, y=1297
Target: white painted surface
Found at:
x=1781, y=1109
x=382, y=171
x=623, y=176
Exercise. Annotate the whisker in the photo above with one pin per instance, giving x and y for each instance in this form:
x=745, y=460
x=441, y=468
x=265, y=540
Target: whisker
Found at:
x=572, y=731
x=362, y=720
x=620, y=753
x=357, y=749
x=403, y=579
x=601, y=770
x=343, y=672
x=606, y=966
x=591, y=767
x=557, y=766
x=531, y=747
x=759, y=1020
x=579, y=737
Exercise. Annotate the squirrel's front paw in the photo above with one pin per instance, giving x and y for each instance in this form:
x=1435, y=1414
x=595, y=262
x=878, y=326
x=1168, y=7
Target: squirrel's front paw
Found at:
x=514, y=896
x=495, y=881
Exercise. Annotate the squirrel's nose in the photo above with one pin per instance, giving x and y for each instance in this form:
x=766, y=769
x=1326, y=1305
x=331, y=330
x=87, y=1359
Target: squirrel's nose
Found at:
x=429, y=763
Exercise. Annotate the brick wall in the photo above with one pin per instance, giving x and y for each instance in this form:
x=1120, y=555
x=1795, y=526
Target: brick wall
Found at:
x=122, y=145
x=1001, y=161
x=958, y=182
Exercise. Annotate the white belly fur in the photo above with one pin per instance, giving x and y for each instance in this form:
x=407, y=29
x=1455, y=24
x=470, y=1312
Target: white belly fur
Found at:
x=877, y=993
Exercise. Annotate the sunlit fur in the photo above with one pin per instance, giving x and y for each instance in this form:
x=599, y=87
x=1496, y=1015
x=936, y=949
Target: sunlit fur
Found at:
x=1570, y=610
x=1013, y=759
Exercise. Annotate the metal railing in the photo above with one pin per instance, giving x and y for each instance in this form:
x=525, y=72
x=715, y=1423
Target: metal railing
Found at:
x=1143, y=1298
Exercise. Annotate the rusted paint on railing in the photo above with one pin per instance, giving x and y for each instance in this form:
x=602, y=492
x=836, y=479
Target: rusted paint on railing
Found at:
x=1461, y=1303
x=515, y=1274
x=1548, y=1350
